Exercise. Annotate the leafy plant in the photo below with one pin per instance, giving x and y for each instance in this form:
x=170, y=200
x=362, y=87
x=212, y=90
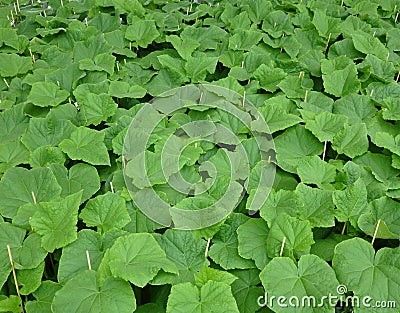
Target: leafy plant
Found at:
x=78, y=76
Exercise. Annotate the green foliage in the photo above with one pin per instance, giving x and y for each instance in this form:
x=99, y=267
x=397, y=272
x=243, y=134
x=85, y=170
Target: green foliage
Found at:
x=323, y=75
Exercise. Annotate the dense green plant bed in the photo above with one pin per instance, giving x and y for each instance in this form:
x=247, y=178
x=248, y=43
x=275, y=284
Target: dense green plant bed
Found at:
x=290, y=114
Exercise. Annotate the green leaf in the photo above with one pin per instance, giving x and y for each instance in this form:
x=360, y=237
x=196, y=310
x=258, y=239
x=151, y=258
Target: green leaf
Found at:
x=20, y=186
x=315, y=205
x=325, y=125
x=391, y=110
x=277, y=23
x=340, y=76
x=252, y=241
x=269, y=77
x=185, y=47
x=244, y=39
x=327, y=26
x=368, y=274
x=121, y=89
x=379, y=69
x=90, y=47
x=385, y=210
x=296, y=87
x=30, y=255
x=351, y=141
x=311, y=277
x=212, y=297
x=313, y=170
x=30, y=279
x=47, y=94
x=142, y=32
x=56, y=221
x=275, y=117
x=324, y=248
x=138, y=258
x=387, y=141
x=105, y=212
x=198, y=67
x=187, y=252
x=46, y=132
x=368, y=44
x=165, y=80
x=12, y=304
x=298, y=234
x=87, y=145
x=46, y=155
x=73, y=261
x=13, y=64
x=44, y=297
x=79, y=177
x=12, y=236
x=13, y=123
x=84, y=294
x=207, y=274
x=293, y=144
x=351, y=202
x=278, y=202
x=101, y=62
x=380, y=166
x=96, y=108
x=316, y=102
x=12, y=153
x=224, y=250
x=357, y=108
x=9, y=37
x=246, y=290
x=139, y=223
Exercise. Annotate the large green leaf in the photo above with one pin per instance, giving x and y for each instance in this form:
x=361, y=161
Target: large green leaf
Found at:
x=142, y=32
x=293, y=144
x=252, y=241
x=385, y=210
x=56, y=221
x=138, y=258
x=224, y=250
x=340, y=76
x=20, y=186
x=13, y=123
x=324, y=125
x=106, y=212
x=44, y=297
x=79, y=177
x=87, y=145
x=315, y=205
x=96, y=108
x=246, y=290
x=187, y=252
x=47, y=94
x=312, y=277
x=12, y=304
x=351, y=202
x=366, y=273
x=212, y=297
x=12, y=236
x=313, y=170
x=84, y=294
x=198, y=67
x=74, y=259
x=297, y=233
x=13, y=64
x=46, y=132
x=351, y=141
